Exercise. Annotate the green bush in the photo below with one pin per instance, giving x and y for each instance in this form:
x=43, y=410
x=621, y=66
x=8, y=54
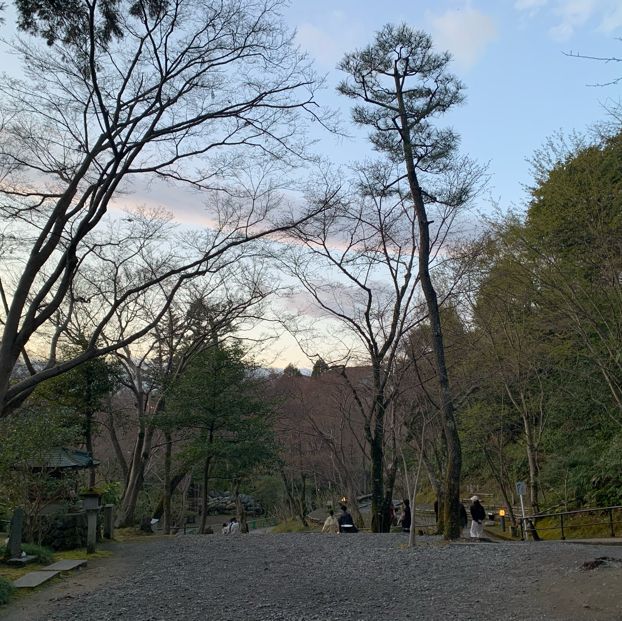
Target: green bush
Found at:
x=6, y=589
x=111, y=493
x=43, y=555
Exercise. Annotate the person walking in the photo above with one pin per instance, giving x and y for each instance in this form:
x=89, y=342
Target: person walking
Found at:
x=478, y=515
x=331, y=524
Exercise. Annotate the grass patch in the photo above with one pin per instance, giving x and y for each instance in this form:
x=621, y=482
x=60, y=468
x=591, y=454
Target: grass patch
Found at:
x=130, y=533
x=579, y=526
x=44, y=556
x=41, y=554
x=576, y=526
x=79, y=554
x=498, y=533
x=14, y=573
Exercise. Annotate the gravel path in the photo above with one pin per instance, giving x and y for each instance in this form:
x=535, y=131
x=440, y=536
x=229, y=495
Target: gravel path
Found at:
x=312, y=577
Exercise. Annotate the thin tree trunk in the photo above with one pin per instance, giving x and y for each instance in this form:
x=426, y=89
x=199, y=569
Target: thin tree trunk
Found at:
x=88, y=433
x=176, y=479
x=297, y=507
x=413, y=503
x=135, y=480
x=496, y=473
x=532, y=460
x=450, y=430
x=167, y=482
x=205, y=496
x=239, y=508
x=377, y=483
x=388, y=496
x=118, y=451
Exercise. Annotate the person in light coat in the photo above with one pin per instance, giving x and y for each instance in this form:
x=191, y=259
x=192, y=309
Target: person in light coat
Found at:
x=331, y=524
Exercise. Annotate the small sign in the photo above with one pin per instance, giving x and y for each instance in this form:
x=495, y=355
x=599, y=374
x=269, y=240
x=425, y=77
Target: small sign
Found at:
x=521, y=488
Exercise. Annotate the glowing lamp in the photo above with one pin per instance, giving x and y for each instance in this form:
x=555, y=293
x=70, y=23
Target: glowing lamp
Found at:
x=501, y=512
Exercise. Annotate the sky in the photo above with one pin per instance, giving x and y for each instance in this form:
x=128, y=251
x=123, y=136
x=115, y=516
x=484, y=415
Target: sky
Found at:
x=512, y=55
x=515, y=58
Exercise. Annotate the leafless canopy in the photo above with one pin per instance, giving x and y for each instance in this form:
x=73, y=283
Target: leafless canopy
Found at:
x=187, y=84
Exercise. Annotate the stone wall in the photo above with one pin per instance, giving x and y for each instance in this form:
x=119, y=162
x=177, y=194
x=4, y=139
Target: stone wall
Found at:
x=65, y=531
x=224, y=503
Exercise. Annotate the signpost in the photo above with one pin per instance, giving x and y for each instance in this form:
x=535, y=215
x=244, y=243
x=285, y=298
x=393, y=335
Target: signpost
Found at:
x=521, y=490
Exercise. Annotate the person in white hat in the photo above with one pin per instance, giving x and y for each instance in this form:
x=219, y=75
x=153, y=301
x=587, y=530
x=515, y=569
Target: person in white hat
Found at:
x=478, y=515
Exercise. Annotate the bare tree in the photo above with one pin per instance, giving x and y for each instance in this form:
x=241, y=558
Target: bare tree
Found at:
x=187, y=82
x=358, y=265
x=401, y=85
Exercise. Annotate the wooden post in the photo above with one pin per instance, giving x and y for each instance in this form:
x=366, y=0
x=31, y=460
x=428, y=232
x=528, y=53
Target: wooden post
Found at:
x=611, y=530
x=561, y=521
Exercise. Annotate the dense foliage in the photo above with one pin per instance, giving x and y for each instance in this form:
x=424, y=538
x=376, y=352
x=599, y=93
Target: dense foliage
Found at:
x=547, y=334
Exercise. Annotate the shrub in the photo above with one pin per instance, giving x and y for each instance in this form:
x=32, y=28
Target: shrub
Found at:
x=43, y=555
x=6, y=589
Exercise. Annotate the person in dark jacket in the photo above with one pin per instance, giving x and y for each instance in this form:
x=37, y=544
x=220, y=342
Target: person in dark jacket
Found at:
x=346, y=523
x=405, y=519
x=478, y=515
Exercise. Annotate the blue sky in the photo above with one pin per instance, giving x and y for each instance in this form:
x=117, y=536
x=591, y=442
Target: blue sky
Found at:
x=521, y=87
x=511, y=54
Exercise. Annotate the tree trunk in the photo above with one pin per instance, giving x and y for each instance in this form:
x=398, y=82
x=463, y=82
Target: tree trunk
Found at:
x=377, y=483
x=388, y=496
x=88, y=434
x=142, y=453
x=167, y=482
x=297, y=505
x=205, y=495
x=532, y=459
x=501, y=482
x=450, y=430
x=118, y=451
x=176, y=479
x=239, y=508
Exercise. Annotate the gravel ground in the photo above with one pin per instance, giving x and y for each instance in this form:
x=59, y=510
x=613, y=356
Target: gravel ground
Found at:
x=311, y=577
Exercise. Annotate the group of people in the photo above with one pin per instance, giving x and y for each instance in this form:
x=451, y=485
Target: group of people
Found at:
x=345, y=524
x=232, y=527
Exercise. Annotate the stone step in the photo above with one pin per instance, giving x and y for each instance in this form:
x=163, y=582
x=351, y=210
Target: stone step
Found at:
x=20, y=561
x=65, y=565
x=34, y=579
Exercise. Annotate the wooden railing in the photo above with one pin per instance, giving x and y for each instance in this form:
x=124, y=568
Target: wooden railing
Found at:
x=608, y=517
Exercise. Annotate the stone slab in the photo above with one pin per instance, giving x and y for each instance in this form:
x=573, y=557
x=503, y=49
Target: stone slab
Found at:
x=20, y=561
x=34, y=579
x=65, y=565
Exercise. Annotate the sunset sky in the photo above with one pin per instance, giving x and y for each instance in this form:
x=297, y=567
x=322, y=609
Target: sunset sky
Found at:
x=517, y=59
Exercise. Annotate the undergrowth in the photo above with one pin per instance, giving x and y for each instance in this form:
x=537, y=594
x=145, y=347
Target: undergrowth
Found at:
x=6, y=590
